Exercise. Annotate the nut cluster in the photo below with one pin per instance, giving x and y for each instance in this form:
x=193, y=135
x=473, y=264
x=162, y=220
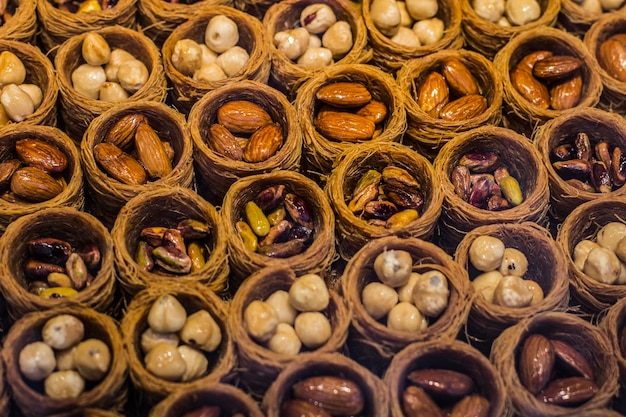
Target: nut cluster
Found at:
x=549, y=81
x=324, y=396
x=287, y=320
x=132, y=134
x=18, y=99
x=318, y=39
x=604, y=259
x=590, y=165
x=218, y=58
x=599, y=6
x=555, y=371
x=503, y=269
x=508, y=12
x=408, y=299
x=211, y=410
x=259, y=137
x=63, y=359
x=282, y=220
x=410, y=23
x=429, y=391
x=179, y=250
x=55, y=269
x=169, y=325
x=391, y=198
x=85, y=6
x=36, y=175
x=107, y=75
x=349, y=113
x=451, y=94
x=481, y=179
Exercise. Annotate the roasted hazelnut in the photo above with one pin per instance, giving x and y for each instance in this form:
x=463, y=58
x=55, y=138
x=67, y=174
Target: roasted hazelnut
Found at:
x=285, y=340
x=167, y=315
x=92, y=359
x=378, y=299
x=62, y=331
x=514, y=262
x=95, y=49
x=309, y=293
x=313, y=329
x=260, y=320
x=64, y=384
x=202, y=331
x=280, y=301
x=165, y=361
x=36, y=361
x=393, y=267
x=406, y=317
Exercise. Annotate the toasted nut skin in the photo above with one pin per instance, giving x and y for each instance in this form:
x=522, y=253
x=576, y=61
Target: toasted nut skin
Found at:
x=42, y=155
x=376, y=111
x=569, y=391
x=532, y=58
x=416, y=403
x=151, y=152
x=442, y=382
x=7, y=169
x=556, y=67
x=223, y=142
x=344, y=94
x=34, y=185
x=336, y=395
x=471, y=406
x=242, y=116
x=459, y=77
x=612, y=57
x=529, y=87
x=344, y=126
x=464, y=108
x=536, y=363
x=301, y=408
x=264, y=143
x=432, y=94
x=122, y=133
x=566, y=94
x=572, y=358
x=119, y=165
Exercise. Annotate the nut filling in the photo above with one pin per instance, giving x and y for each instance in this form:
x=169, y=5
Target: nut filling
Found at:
x=324, y=396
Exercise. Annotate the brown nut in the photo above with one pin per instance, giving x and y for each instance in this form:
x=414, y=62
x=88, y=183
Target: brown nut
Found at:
x=471, y=406
x=344, y=94
x=151, y=152
x=459, y=77
x=433, y=94
x=569, y=391
x=443, y=383
x=344, y=126
x=336, y=395
x=571, y=358
x=532, y=58
x=416, y=403
x=536, y=363
x=479, y=162
x=223, y=142
x=34, y=185
x=556, y=67
x=612, y=57
x=122, y=133
x=464, y=108
x=7, y=169
x=376, y=111
x=566, y=94
x=529, y=87
x=264, y=143
x=42, y=155
x=119, y=165
x=302, y=408
x=242, y=116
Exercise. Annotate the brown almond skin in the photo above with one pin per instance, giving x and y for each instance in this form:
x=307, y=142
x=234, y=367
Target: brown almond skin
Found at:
x=376, y=111
x=264, y=143
x=337, y=396
x=532, y=58
x=442, y=382
x=7, y=168
x=556, y=67
x=344, y=94
x=471, y=406
x=301, y=408
x=612, y=57
x=242, y=116
x=344, y=126
x=416, y=403
x=464, y=108
x=119, y=165
x=566, y=94
x=34, y=185
x=459, y=77
x=569, y=391
x=224, y=143
x=536, y=362
x=529, y=87
x=42, y=155
x=572, y=358
x=122, y=133
x=151, y=152
x=433, y=93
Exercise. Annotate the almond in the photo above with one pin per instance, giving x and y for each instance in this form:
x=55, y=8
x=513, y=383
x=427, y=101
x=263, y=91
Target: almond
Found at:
x=7, y=168
x=416, y=403
x=556, y=67
x=529, y=87
x=224, y=143
x=612, y=57
x=433, y=93
x=569, y=391
x=376, y=111
x=536, y=362
x=151, y=152
x=459, y=77
x=42, y=155
x=122, y=133
x=34, y=185
x=336, y=395
x=532, y=58
x=567, y=355
x=264, y=143
x=442, y=382
x=118, y=164
x=464, y=108
x=242, y=116
x=471, y=406
x=300, y=408
x=344, y=94
x=344, y=126
x=566, y=94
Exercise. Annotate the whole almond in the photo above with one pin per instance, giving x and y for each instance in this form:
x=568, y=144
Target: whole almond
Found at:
x=344, y=126
x=376, y=111
x=566, y=94
x=122, y=133
x=336, y=395
x=569, y=391
x=264, y=143
x=344, y=94
x=464, y=108
x=242, y=116
x=34, y=185
x=7, y=168
x=42, y=155
x=556, y=67
x=529, y=60
x=224, y=143
x=151, y=152
x=118, y=164
x=612, y=57
x=442, y=382
x=459, y=77
x=575, y=361
x=416, y=403
x=529, y=87
x=471, y=406
x=302, y=408
x=433, y=93
x=536, y=362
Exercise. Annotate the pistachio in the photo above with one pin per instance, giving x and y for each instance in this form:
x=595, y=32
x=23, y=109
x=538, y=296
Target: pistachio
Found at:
x=247, y=235
x=282, y=249
x=480, y=162
x=58, y=292
x=143, y=256
x=59, y=279
x=172, y=259
x=77, y=271
x=299, y=210
x=401, y=219
x=270, y=197
x=256, y=219
x=365, y=191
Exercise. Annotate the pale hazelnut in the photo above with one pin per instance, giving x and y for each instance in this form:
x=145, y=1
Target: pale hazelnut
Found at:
x=405, y=292
x=491, y=10
x=62, y=331
x=317, y=17
x=196, y=364
x=95, y=49
x=338, y=39
x=221, y=33
x=393, y=267
x=581, y=251
x=150, y=338
x=520, y=12
x=602, y=265
x=280, y=301
x=17, y=103
x=378, y=299
x=485, y=284
x=112, y=92
x=202, y=331
x=429, y=31
x=12, y=69
x=486, y=253
x=64, y=384
x=165, y=361
x=233, y=60
x=536, y=291
x=431, y=293
x=132, y=75
x=36, y=361
x=313, y=329
x=88, y=79
x=422, y=9
x=187, y=56
x=610, y=235
x=209, y=73
x=167, y=315
x=92, y=359
x=386, y=16
x=292, y=42
x=512, y=292
x=406, y=317
x=285, y=341
x=406, y=37
x=65, y=359
x=314, y=58
x=117, y=57
x=514, y=262
x=260, y=320
x=309, y=293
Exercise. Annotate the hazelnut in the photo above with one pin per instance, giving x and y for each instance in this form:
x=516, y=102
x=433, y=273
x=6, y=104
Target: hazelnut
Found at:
x=112, y=92
x=65, y=359
x=314, y=58
x=313, y=329
x=202, y=331
x=260, y=320
x=512, y=292
x=378, y=299
x=280, y=301
x=132, y=75
x=429, y=31
x=285, y=341
x=209, y=73
x=292, y=42
x=221, y=33
x=17, y=103
x=12, y=69
x=536, y=291
x=317, y=18
x=602, y=265
x=610, y=235
x=309, y=293
x=233, y=60
x=422, y=9
x=405, y=292
x=88, y=79
x=165, y=361
x=64, y=384
x=196, y=364
x=92, y=359
x=406, y=37
x=581, y=251
x=36, y=361
x=407, y=318
x=338, y=39
x=34, y=92
x=187, y=56
x=167, y=315
x=485, y=284
x=514, y=262
x=520, y=12
x=386, y=16
x=62, y=331
x=486, y=253
x=150, y=338
x=491, y=10
x=431, y=293
x=393, y=267
x=95, y=49
x=118, y=56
